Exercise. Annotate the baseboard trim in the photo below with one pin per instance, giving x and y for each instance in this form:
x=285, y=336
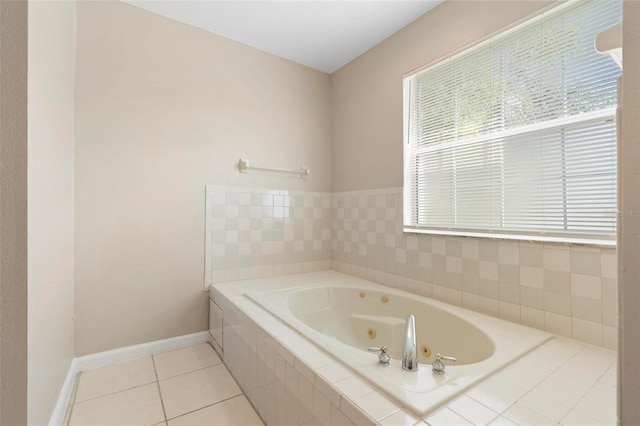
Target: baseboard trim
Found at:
x=102, y=359
x=60, y=410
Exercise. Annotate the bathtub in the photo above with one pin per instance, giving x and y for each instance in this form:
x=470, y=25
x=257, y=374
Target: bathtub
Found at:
x=345, y=318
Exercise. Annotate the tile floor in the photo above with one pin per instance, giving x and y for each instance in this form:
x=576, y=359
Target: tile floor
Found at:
x=189, y=386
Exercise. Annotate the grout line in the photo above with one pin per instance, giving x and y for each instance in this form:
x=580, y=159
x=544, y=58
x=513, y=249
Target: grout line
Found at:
x=573, y=406
x=141, y=384
x=113, y=393
x=531, y=390
x=155, y=371
x=189, y=372
x=211, y=405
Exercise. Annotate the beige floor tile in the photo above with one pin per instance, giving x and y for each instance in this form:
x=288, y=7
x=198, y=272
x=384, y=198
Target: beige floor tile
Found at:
x=138, y=406
x=115, y=378
x=195, y=390
x=235, y=411
x=185, y=360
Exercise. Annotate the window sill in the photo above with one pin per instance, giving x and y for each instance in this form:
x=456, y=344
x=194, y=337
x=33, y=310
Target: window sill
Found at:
x=553, y=239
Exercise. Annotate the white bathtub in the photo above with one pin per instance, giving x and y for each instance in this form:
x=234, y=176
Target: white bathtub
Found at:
x=339, y=316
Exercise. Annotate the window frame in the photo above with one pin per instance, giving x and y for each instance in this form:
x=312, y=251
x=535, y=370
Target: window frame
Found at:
x=410, y=204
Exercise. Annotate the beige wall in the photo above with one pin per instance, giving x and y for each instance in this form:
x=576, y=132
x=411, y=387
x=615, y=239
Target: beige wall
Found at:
x=52, y=26
x=367, y=92
x=13, y=213
x=629, y=223
x=161, y=110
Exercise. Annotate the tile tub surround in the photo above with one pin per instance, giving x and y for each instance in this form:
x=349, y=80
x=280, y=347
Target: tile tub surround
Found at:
x=569, y=290
x=291, y=381
x=252, y=233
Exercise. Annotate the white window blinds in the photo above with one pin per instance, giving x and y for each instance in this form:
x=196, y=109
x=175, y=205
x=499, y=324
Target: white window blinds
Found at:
x=516, y=137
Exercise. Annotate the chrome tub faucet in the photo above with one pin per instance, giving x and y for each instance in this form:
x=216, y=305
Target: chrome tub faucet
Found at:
x=410, y=348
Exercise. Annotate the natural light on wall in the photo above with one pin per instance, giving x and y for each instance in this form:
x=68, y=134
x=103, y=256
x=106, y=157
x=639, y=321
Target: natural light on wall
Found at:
x=516, y=136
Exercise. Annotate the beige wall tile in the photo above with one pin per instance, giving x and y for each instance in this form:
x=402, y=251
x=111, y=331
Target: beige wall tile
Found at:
x=470, y=248
x=510, y=311
x=489, y=306
x=587, y=331
x=531, y=277
x=587, y=309
x=558, y=324
x=454, y=264
x=609, y=289
x=488, y=270
x=488, y=250
x=454, y=247
x=557, y=259
x=471, y=301
x=558, y=303
x=510, y=293
x=586, y=286
x=454, y=297
x=586, y=262
x=509, y=273
x=440, y=293
x=532, y=317
x=454, y=281
x=489, y=288
x=531, y=255
x=557, y=281
x=610, y=313
x=610, y=337
x=508, y=253
x=532, y=297
x=609, y=265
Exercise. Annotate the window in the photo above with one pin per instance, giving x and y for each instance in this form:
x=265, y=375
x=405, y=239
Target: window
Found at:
x=516, y=137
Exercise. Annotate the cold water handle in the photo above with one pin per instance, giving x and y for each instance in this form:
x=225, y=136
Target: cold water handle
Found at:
x=438, y=364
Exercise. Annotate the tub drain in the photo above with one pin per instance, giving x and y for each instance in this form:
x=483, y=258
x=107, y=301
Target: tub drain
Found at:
x=372, y=333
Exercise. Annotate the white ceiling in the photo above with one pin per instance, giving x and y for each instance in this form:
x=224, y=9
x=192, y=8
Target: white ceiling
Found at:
x=324, y=35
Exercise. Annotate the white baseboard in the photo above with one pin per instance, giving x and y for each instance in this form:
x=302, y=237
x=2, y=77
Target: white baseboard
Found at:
x=60, y=410
x=102, y=359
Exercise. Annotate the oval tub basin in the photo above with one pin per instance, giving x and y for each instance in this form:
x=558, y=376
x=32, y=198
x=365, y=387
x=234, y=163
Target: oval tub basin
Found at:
x=345, y=318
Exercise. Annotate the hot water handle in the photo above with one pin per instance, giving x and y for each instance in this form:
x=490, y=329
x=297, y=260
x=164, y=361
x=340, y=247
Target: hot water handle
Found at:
x=383, y=357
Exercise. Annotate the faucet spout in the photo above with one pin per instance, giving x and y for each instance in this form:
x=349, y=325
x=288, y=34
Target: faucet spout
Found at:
x=410, y=348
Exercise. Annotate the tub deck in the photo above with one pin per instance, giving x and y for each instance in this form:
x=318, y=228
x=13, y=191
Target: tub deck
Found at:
x=290, y=380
